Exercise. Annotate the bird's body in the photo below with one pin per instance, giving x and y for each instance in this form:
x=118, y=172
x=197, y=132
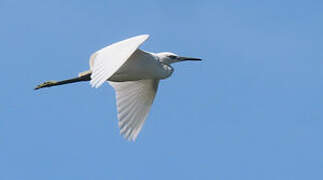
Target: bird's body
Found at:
x=133, y=73
x=142, y=65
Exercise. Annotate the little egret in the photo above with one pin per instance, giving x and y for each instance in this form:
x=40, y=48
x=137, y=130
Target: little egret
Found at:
x=133, y=73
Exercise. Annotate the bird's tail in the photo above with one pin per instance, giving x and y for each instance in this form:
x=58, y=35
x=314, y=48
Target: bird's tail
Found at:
x=85, y=76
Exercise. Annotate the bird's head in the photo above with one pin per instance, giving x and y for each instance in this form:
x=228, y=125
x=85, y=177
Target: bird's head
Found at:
x=169, y=58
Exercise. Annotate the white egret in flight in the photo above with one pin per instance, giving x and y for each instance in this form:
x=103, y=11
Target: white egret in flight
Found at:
x=133, y=73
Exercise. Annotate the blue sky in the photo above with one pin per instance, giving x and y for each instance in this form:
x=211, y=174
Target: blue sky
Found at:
x=251, y=110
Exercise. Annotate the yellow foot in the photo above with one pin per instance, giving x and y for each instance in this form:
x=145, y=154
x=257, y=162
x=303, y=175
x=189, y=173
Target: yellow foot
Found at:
x=46, y=84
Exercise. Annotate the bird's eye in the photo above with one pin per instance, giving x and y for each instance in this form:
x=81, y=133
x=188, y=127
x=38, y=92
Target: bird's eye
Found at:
x=172, y=56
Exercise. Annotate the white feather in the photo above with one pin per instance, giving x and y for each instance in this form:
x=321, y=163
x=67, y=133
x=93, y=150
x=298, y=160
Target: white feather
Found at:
x=134, y=99
x=105, y=62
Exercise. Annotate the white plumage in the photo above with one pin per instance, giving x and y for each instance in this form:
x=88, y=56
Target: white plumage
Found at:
x=134, y=99
x=134, y=74
x=108, y=60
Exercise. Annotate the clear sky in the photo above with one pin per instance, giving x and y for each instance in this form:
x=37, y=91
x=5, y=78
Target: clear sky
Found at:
x=251, y=110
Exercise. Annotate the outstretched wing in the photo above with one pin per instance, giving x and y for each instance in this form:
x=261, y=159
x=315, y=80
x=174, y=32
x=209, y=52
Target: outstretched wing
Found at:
x=134, y=99
x=105, y=62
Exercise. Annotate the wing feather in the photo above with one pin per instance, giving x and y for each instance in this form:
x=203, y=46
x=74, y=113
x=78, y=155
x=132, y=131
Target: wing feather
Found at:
x=134, y=99
x=105, y=62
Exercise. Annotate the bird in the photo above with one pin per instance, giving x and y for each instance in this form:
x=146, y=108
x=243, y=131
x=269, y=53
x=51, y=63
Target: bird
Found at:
x=133, y=73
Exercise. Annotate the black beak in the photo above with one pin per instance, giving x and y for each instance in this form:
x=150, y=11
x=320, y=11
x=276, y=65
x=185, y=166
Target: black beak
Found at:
x=189, y=59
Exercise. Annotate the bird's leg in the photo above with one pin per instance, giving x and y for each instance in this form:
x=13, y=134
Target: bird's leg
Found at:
x=86, y=76
x=46, y=84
